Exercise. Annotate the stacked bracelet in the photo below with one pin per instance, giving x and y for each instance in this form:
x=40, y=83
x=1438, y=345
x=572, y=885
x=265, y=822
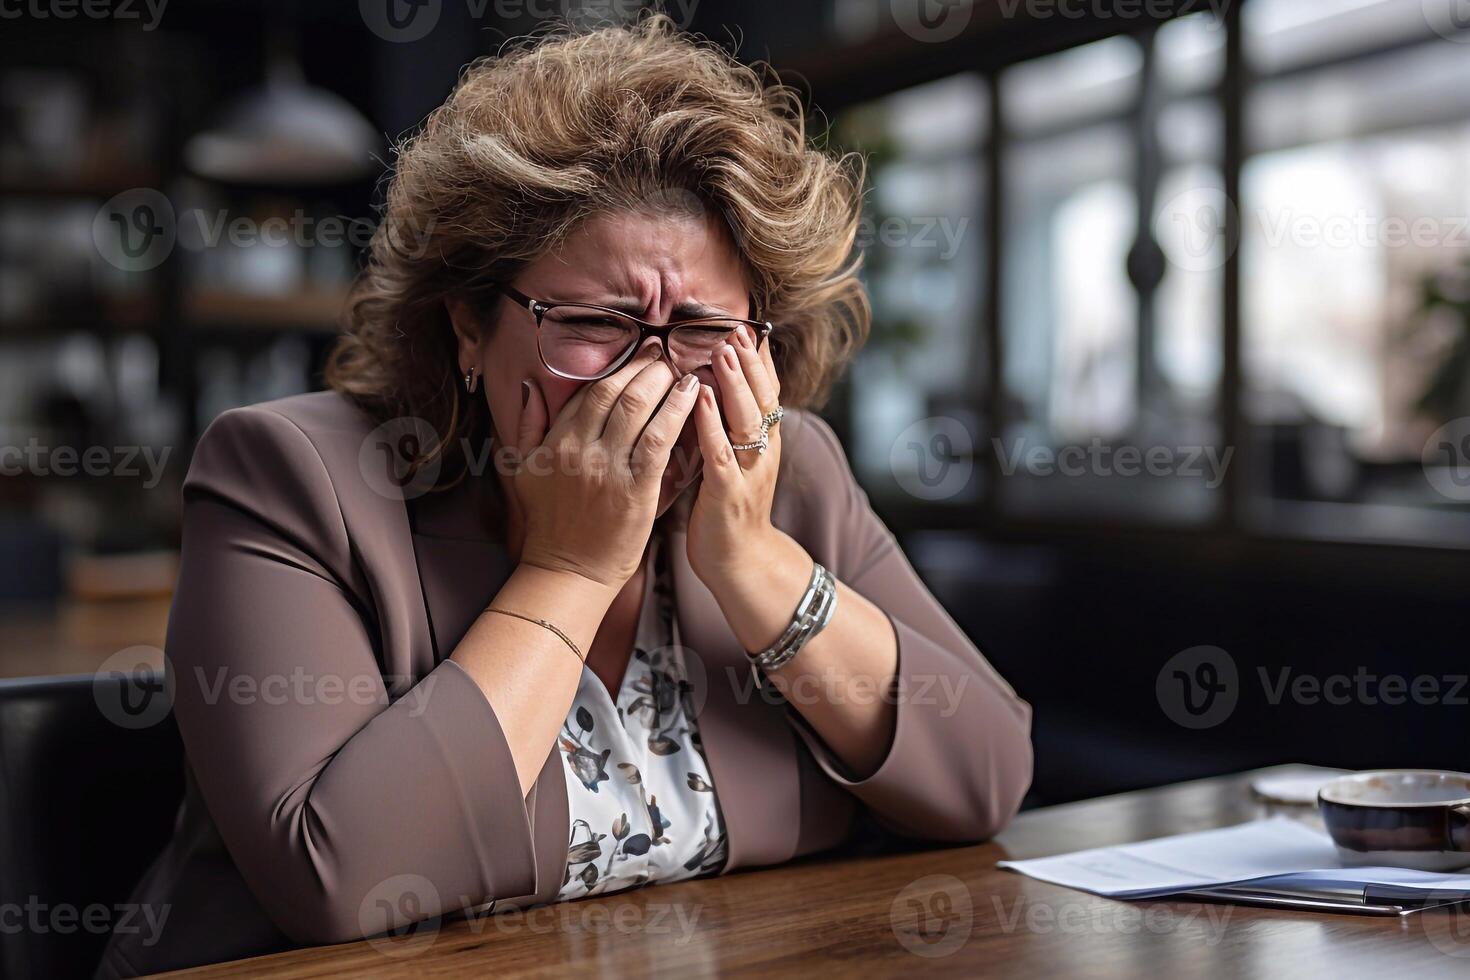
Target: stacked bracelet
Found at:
x=813, y=613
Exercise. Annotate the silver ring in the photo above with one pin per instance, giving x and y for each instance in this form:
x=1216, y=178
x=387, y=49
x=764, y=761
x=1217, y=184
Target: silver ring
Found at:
x=767, y=420
x=759, y=445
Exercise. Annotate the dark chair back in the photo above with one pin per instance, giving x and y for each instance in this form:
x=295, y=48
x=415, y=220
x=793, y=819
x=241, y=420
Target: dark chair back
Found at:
x=91, y=775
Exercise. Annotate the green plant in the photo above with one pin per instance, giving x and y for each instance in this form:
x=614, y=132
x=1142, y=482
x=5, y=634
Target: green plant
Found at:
x=1447, y=294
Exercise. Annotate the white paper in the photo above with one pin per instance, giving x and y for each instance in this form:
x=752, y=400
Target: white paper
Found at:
x=1279, y=852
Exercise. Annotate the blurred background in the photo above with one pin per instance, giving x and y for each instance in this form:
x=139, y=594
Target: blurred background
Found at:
x=1171, y=341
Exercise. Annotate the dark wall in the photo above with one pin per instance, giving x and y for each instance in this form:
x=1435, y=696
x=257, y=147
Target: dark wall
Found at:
x=1083, y=633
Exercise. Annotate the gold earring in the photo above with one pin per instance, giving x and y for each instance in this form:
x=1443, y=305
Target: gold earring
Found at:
x=471, y=382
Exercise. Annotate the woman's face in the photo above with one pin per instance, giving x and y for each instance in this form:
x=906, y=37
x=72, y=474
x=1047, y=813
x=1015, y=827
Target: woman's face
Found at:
x=658, y=267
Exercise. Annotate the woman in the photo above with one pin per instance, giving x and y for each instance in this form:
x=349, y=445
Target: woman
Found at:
x=560, y=590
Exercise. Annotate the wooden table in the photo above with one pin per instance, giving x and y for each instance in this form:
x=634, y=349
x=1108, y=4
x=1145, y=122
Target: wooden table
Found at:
x=947, y=911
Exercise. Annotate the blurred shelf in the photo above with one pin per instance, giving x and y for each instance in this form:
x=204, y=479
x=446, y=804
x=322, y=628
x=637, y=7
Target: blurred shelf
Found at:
x=309, y=311
x=1161, y=501
x=137, y=576
x=94, y=184
x=134, y=314
x=1361, y=523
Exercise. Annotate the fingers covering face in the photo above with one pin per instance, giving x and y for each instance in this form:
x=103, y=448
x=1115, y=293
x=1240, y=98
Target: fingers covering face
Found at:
x=651, y=454
x=585, y=414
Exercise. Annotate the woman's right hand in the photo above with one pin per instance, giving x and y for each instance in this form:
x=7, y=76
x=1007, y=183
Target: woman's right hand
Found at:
x=588, y=486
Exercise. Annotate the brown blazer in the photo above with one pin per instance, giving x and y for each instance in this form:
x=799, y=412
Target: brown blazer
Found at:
x=333, y=746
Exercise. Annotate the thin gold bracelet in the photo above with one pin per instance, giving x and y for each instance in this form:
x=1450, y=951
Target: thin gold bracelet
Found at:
x=541, y=622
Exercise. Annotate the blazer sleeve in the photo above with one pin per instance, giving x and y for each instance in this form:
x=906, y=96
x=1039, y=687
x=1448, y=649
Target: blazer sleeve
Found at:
x=960, y=759
x=350, y=802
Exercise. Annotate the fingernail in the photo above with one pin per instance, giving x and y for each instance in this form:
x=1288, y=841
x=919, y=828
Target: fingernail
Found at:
x=525, y=393
x=728, y=353
x=650, y=351
x=743, y=338
x=687, y=382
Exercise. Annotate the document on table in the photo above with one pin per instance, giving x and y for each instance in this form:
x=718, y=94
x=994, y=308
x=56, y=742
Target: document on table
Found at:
x=1276, y=853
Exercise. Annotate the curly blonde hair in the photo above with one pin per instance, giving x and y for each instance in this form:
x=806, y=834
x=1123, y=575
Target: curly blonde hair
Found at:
x=567, y=124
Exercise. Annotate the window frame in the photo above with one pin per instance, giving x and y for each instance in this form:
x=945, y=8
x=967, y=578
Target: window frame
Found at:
x=884, y=66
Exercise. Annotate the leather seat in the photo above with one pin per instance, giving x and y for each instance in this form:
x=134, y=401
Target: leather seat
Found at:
x=91, y=775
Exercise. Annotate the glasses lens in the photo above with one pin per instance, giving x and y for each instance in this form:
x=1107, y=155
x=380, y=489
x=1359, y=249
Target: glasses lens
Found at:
x=693, y=345
x=585, y=342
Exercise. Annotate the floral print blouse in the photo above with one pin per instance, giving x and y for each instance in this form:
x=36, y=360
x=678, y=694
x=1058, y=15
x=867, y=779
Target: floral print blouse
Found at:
x=641, y=799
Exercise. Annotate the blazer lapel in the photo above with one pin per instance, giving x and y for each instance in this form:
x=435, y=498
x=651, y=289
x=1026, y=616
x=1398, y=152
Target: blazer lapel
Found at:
x=459, y=578
x=461, y=568
x=750, y=748
x=752, y=751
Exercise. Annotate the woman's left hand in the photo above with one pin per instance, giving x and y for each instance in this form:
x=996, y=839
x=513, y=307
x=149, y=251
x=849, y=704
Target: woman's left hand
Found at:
x=730, y=531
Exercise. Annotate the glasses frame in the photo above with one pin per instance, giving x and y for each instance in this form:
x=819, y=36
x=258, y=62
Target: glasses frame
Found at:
x=539, y=308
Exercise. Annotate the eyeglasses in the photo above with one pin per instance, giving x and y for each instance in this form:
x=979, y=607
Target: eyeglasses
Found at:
x=584, y=342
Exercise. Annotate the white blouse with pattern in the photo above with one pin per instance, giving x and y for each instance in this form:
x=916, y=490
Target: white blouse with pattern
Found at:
x=641, y=799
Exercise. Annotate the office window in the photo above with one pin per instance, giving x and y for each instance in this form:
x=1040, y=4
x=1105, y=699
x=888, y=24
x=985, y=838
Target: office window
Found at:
x=1353, y=261
x=1108, y=401
x=1356, y=205
x=917, y=387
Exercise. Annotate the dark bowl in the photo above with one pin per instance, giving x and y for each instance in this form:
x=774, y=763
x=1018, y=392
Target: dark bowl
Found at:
x=1402, y=818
